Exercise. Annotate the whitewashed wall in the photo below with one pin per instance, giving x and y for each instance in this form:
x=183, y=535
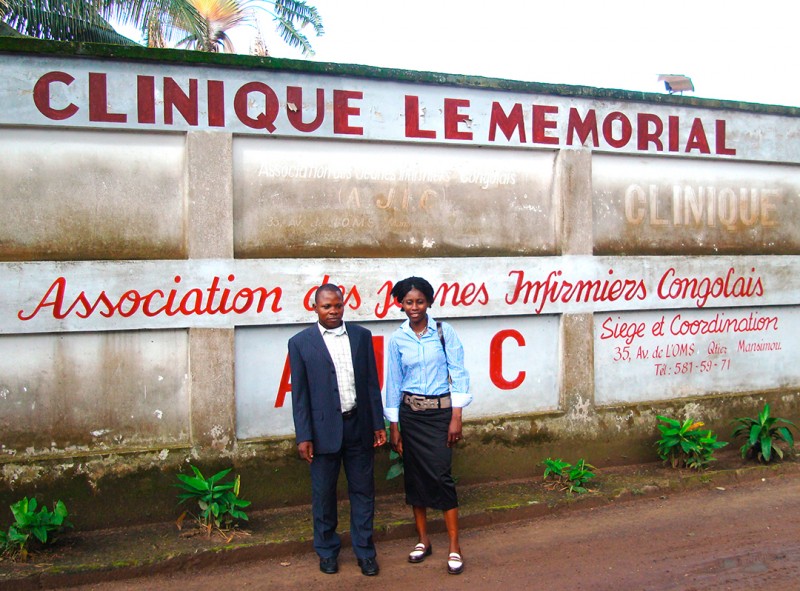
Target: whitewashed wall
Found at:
x=166, y=225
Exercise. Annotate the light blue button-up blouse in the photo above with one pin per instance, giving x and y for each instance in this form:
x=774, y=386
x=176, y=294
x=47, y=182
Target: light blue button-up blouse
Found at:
x=418, y=366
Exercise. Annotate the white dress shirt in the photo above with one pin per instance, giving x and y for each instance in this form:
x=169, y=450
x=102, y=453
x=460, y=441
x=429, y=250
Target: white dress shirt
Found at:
x=338, y=343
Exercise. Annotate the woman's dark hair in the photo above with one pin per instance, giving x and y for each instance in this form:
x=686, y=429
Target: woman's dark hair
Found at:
x=401, y=288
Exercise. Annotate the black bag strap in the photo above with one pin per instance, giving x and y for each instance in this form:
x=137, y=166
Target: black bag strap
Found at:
x=444, y=348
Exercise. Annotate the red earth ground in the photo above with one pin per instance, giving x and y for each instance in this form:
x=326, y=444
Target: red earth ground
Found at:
x=737, y=537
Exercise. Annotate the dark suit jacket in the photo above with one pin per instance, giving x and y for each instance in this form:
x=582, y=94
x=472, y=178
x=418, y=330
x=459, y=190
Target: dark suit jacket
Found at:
x=316, y=407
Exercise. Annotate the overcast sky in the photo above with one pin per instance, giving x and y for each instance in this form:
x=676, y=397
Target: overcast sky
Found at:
x=732, y=49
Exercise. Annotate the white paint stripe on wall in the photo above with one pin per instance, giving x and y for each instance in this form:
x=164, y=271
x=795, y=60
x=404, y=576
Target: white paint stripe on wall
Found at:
x=221, y=293
x=134, y=95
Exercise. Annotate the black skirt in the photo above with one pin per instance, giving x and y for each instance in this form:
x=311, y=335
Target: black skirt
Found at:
x=427, y=460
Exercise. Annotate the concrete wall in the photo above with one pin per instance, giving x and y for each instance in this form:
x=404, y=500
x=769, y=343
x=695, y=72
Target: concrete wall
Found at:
x=160, y=246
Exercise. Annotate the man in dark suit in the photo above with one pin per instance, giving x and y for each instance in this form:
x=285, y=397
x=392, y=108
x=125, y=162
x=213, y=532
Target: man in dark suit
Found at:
x=338, y=419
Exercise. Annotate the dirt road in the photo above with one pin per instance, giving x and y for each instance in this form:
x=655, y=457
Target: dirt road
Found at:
x=740, y=538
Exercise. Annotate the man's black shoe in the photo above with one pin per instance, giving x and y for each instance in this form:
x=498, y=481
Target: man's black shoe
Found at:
x=330, y=566
x=369, y=566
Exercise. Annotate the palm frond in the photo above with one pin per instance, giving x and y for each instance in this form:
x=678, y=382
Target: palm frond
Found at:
x=298, y=10
x=68, y=20
x=9, y=31
x=200, y=24
x=292, y=36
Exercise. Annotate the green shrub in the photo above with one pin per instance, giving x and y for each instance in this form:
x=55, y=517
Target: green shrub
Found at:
x=685, y=443
x=763, y=435
x=395, y=459
x=555, y=468
x=395, y=466
x=564, y=476
x=219, y=502
x=32, y=525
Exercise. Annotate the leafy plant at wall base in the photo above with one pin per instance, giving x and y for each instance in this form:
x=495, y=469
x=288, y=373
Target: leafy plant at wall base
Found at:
x=763, y=435
x=579, y=475
x=686, y=443
x=564, y=476
x=219, y=502
x=555, y=467
x=395, y=459
x=396, y=467
x=28, y=525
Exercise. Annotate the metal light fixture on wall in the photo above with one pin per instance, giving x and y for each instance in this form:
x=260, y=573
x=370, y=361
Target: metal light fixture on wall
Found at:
x=676, y=83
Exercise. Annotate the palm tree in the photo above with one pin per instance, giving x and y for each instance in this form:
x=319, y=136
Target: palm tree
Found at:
x=65, y=20
x=198, y=23
x=211, y=33
x=204, y=24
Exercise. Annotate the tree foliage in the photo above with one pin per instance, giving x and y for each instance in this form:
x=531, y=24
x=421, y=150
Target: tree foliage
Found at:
x=196, y=24
x=61, y=20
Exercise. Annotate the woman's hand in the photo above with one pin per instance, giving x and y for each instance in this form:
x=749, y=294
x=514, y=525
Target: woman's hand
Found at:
x=395, y=438
x=454, y=431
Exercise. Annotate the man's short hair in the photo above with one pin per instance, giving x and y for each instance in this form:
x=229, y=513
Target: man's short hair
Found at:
x=327, y=287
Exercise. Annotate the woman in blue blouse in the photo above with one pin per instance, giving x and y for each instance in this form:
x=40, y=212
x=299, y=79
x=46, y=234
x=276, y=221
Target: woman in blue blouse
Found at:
x=426, y=388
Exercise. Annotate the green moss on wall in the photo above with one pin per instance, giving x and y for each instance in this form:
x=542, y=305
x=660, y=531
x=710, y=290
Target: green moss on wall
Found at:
x=172, y=56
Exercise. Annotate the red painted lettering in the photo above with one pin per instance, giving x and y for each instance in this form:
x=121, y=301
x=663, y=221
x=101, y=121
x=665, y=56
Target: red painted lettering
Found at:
x=674, y=133
x=377, y=347
x=413, y=120
x=462, y=297
x=583, y=127
x=697, y=138
x=285, y=385
x=625, y=129
x=555, y=289
x=174, y=97
x=541, y=124
x=453, y=117
x=146, y=99
x=146, y=310
x=382, y=308
x=496, y=360
x=56, y=291
x=644, y=136
x=342, y=111
x=622, y=330
x=702, y=289
x=98, y=101
x=294, y=109
x=507, y=123
x=266, y=118
x=193, y=302
x=720, y=137
x=216, y=103
x=41, y=96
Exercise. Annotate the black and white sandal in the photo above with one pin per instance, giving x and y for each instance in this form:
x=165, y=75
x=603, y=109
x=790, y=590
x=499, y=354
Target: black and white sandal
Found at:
x=455, y=564
x=420, y=552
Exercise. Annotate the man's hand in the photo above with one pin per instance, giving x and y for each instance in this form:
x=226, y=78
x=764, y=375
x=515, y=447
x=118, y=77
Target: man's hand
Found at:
x=380, y=438
x=306, y=450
